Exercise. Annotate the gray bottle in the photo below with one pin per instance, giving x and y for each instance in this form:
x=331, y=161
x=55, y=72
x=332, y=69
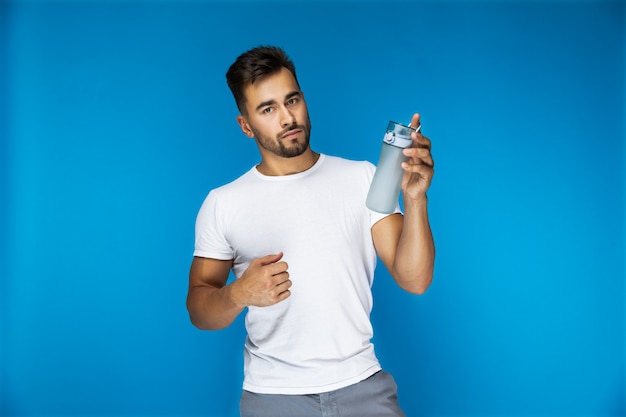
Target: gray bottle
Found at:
x=385, y=188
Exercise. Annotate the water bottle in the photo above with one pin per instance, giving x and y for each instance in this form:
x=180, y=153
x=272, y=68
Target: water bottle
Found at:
x=385, y=188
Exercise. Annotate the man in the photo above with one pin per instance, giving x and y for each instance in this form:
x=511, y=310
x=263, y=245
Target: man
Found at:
x=302, y=244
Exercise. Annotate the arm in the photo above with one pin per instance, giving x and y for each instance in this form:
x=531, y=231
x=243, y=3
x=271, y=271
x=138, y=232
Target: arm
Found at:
x=405, y=243
x=405, y=246
x=214, y=305
x=208, y=299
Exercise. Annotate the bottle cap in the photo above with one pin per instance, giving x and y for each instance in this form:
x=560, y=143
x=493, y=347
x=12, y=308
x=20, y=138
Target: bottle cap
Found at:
x=399, y=135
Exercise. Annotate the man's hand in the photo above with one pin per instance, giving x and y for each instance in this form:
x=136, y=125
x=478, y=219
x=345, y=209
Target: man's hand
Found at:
x=264, y=283
x=419, y=169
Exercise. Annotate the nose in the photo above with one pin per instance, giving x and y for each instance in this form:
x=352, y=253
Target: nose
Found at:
x=287, y=118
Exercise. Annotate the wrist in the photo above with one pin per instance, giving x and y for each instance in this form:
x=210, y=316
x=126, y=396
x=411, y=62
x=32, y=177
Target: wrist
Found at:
x=416, y=203
x=232, y=295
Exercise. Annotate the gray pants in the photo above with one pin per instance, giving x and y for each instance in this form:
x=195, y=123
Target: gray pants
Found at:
x=374, y=397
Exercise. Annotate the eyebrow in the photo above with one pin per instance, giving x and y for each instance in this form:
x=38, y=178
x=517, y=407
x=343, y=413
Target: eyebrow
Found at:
x=270, y=102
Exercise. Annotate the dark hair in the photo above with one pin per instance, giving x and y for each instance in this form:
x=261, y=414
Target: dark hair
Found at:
x=252, y=65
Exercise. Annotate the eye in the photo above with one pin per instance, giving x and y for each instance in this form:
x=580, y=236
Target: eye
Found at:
x=268, y=110
x=292, y=101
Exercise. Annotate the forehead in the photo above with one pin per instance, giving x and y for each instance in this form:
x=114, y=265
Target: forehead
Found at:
x=272, y=87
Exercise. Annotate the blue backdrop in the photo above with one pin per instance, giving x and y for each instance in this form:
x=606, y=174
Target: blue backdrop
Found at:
x=116, y=121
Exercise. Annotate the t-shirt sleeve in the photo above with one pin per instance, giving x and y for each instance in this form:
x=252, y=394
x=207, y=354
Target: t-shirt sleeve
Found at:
x=210, y=240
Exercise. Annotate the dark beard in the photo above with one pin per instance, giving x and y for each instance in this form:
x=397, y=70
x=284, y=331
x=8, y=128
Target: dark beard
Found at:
x=278, y=146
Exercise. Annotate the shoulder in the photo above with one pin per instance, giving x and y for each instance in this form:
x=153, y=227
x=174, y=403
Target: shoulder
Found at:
x=347, y=174
x=349, y=165
x=224, y=194
x=247, y=179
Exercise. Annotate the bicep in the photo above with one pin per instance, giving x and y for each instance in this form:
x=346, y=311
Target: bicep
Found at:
x=386, y=235
x=209, y=308
x=209, y=272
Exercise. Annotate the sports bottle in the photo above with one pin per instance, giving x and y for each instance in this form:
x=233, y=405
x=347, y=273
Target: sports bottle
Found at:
x=385, y=188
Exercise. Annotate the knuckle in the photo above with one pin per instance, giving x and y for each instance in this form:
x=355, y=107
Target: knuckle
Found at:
x=267, y=283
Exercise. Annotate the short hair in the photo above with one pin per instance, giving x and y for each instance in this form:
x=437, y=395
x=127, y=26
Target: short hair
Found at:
x=252, y=65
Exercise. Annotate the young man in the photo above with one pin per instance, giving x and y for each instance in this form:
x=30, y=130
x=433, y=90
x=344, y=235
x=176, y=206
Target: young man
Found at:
x=302, y=244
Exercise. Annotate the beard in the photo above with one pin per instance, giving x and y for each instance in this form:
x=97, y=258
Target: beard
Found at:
x=285, y=148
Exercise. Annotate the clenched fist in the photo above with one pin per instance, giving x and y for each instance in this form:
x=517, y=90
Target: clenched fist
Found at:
x=264, y=283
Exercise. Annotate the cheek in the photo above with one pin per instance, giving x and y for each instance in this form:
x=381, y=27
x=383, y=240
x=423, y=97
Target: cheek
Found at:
x=303, y=116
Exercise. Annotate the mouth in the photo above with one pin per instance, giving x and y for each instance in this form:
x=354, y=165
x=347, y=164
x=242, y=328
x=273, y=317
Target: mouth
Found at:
x=292, y=134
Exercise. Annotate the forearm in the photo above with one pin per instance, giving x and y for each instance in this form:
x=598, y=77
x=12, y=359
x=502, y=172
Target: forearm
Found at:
x=415, y=255
x=211, y=308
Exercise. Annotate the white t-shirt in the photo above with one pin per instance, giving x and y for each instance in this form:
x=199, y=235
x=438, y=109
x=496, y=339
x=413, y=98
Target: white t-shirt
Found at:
x=318, y=339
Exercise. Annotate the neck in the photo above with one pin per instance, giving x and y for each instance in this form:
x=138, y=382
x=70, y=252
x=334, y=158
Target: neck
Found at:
x=272, y=165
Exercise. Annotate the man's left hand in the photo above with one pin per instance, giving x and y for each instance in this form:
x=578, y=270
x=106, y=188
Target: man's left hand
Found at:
x=420, y=167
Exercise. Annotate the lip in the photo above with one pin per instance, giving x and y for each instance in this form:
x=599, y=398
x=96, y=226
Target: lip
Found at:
x=292, y=134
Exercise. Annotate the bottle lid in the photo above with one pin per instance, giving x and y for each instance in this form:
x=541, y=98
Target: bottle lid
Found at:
x=398, y=135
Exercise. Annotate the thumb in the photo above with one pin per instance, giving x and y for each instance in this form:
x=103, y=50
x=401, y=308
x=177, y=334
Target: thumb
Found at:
x=270, y=259
x=415, y=121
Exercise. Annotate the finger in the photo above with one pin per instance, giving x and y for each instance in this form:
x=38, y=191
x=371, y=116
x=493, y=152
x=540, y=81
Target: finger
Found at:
x=281, y=291
x=282, y=296
x=284, y=286
x=415, y=121
x=418, y=178
x=422, y=169
x=420, y=141
x=419, y=155
x=270, y=259
x=426, y=158
x=277, y=268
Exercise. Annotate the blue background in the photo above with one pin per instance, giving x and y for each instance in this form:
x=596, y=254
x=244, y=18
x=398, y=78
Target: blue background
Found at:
x=116, y=121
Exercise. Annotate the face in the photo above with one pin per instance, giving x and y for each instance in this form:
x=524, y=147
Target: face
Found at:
x=277, y=116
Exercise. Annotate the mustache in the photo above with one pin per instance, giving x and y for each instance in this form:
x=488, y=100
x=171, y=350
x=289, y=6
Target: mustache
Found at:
x=290, y=128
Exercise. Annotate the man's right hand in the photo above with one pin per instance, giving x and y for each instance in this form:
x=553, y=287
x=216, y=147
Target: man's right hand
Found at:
x=265, y=283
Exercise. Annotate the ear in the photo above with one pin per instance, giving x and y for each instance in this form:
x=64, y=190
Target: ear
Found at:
x=245, y=127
